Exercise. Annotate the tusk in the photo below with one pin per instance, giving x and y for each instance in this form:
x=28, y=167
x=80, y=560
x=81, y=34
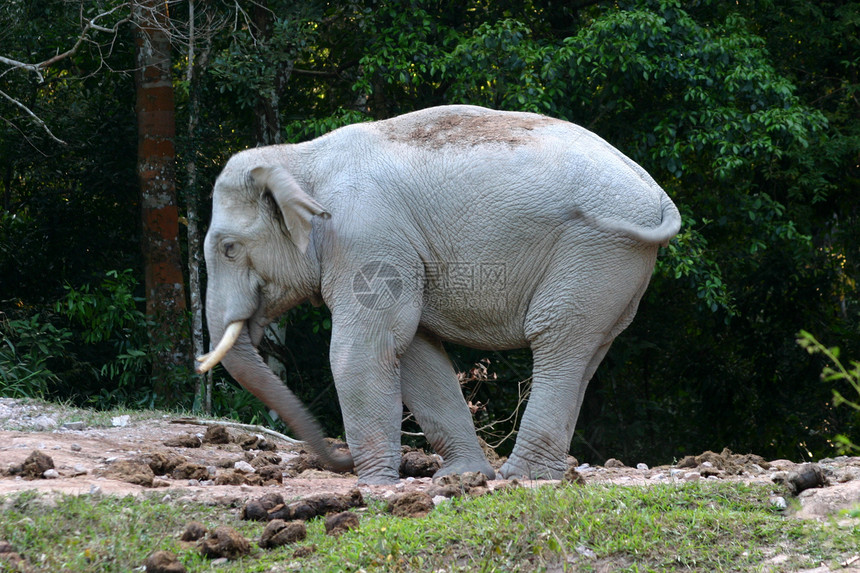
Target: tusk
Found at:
x=210, y=359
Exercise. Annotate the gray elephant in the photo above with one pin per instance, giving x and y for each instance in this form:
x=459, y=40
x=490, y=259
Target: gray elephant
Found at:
x=490, y=229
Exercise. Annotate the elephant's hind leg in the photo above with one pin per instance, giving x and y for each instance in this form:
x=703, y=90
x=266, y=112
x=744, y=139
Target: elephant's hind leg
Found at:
x=431, y=392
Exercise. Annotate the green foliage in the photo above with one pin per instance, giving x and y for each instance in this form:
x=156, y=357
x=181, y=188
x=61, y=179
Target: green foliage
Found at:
x=112, y=334
x=27, y=348
x=839, y=376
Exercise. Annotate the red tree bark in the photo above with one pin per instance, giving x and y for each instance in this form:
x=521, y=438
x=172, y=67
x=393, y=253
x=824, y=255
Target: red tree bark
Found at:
x=165, y=290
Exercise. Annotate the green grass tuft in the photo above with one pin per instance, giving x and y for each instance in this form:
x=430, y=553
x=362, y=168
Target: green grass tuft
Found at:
x=694, y=527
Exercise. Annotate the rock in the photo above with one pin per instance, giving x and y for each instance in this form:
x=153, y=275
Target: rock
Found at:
x=216, y=435
x=120, y=421
x=163, y=562
x=187, y=441
x=74, y=426
x=642, y=467
x=51, y=474
x=190, y=471
x=36, y=465
x=224, y=542
x=43, y=424
x=244, y=467
x=412, y=504
x=806, y=477
x=339, y=523
x=613, y=463
x=194, y=531
x=440, y=499
x=76, y=447
x=779, y=502
x=279, y=532
x=131, y=471
x=416, y=463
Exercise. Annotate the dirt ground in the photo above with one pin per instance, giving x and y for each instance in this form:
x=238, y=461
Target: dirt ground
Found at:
x=131, y=457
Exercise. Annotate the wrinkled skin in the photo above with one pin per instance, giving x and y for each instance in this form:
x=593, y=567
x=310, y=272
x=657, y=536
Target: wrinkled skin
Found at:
x=494, y=230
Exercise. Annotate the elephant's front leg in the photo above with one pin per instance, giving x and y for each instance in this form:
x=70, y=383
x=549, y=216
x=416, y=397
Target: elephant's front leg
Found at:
x=367, y=377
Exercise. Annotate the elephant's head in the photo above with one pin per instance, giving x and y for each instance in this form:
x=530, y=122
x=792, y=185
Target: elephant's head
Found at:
x=260, y=262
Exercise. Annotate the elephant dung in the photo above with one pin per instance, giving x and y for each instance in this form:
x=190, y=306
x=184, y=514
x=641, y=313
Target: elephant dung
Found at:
x=224, y=542
x=411, y=504
x=216, y=435
x=190, y=471
x=258, y=509
x=416, y=463
x=340, y=523
x=131, y=471
x=304, y=551
x=163, y=463
x=573, y=477
x=279, y=532
x=163, y=562
x=186, y=441
x=194, y=531
x=36, y=464
x=11, y=558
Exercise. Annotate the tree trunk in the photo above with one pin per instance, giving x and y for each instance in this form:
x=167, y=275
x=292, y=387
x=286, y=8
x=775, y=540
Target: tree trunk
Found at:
x=203, y=384
x=267, y=122
x=165, y=290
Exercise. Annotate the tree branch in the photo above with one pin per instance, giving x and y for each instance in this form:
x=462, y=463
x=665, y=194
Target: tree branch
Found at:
x=89, y=25
x=35, y=117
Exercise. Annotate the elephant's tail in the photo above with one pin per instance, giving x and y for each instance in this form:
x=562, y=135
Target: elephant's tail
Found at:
x=661, y=234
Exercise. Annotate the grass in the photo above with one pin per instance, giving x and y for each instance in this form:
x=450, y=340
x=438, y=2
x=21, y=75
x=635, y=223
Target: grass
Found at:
x=65, y=412
x=695, y=527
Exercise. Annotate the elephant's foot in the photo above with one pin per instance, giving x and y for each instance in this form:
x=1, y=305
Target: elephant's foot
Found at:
x=519, y=468
x=382, y=477
x=463, y=466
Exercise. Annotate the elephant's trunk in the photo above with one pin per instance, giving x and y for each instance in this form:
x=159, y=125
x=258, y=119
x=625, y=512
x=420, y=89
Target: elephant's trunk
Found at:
x=245, y=364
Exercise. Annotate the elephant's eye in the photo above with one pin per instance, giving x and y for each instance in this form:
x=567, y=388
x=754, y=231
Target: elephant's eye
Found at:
x=229, y=250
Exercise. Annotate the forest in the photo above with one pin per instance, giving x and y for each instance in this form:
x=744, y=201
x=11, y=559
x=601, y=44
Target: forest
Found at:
x=118, y=115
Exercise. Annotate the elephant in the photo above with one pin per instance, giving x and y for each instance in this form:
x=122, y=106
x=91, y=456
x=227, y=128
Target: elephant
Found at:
x=454, y=224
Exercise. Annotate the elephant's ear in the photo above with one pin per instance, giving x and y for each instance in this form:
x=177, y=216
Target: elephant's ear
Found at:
x=297, y=207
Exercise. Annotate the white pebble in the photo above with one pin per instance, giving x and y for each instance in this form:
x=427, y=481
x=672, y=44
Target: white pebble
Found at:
x=244, y=467
x=641, y=466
